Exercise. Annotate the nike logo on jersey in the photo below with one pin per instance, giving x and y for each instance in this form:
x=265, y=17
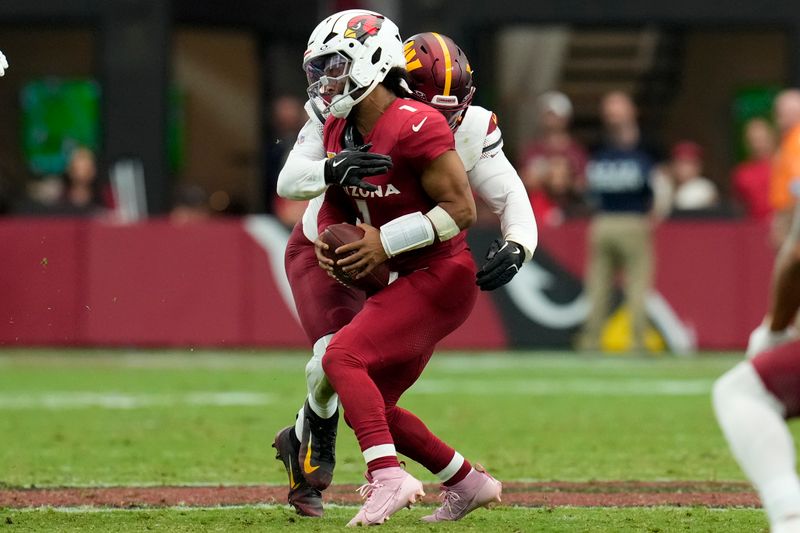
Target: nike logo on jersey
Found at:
x=416, y=127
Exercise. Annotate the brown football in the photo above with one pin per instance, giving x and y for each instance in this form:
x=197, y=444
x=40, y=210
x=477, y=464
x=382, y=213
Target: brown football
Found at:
x=337, y=235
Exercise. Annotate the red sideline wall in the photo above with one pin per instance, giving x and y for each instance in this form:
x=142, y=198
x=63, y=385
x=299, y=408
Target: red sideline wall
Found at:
x=714, y=274
x=73, y=282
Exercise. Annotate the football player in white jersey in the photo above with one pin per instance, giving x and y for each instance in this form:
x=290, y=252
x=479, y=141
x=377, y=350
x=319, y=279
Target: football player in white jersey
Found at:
x=441, y=77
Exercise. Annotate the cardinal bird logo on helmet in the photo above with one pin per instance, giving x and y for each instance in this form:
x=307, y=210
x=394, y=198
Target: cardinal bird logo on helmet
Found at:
x=363, y=26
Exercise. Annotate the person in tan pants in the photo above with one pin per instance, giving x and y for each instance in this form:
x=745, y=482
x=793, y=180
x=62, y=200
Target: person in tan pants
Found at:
x=618, y=242
x=620, y=235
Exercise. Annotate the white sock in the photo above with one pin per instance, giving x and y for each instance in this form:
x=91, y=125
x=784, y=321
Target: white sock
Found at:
x=752, y=420
x=326, y=409
x=376, y=452
x=451, y=469
x=321, y=399
x=299, y=422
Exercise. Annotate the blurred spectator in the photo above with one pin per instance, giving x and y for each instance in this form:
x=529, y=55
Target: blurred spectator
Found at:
x=190, y=205
x=74, y=193
x=553, y=164
x=692, y=192
x=81, y=190
x=288, y=117
x=750, y=179
x=618, y=178
x=785, y=178
x=43, y=196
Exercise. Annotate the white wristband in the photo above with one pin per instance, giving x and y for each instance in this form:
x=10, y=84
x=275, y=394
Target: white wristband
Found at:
x=446, y=228
x=406, y=233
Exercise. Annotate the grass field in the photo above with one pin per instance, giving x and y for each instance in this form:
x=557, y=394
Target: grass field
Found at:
x=98, y=418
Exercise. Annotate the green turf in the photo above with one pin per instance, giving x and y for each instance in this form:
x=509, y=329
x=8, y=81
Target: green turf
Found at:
x=573, y=520
x=524, y=416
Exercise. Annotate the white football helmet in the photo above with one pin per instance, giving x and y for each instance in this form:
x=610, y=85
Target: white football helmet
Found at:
x=348, y=55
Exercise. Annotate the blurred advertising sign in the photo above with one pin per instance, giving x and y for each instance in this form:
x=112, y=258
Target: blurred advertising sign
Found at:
x=58, y=115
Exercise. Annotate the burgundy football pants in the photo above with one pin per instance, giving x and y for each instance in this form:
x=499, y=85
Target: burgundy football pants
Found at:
x=779, y=369
x=323, y=304
x=374, y=359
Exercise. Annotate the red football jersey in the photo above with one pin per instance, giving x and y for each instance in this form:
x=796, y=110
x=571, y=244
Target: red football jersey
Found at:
x=413, y=134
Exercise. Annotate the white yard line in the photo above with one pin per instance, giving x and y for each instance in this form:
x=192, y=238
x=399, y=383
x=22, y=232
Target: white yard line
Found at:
x=118, y=400
x=459, y=362
x=561, y=387
x=62, y=400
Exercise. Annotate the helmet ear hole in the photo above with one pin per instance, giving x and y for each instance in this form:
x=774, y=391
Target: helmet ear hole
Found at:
x=376, y=56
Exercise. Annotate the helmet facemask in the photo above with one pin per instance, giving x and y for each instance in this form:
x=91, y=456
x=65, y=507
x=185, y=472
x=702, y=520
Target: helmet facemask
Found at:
x=329, y=81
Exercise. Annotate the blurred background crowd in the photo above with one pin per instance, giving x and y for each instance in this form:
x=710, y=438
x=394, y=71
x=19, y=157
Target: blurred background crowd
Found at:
x=701, y=102
x=552, y=164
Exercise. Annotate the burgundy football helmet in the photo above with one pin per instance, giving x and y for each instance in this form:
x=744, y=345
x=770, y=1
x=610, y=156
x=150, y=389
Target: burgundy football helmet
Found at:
x=440, y=74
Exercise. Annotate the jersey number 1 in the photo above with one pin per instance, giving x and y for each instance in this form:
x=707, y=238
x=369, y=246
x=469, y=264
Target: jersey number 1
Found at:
x=364, y=210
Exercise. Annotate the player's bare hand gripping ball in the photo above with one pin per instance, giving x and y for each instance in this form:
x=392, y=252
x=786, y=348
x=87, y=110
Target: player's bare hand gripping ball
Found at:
x=324, y=262
x=349, y=166
x=504, y=260
x=367, y=253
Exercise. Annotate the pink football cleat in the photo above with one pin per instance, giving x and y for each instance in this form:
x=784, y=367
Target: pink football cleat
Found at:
x=388, y=491
x=478, y=489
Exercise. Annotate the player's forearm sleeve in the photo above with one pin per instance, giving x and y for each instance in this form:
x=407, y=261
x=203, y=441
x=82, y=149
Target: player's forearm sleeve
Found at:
x=303, y=175
x=499, y=185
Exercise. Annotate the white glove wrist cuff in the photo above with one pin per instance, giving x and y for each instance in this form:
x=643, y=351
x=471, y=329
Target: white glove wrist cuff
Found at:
x=407, y=233
x=446, y=228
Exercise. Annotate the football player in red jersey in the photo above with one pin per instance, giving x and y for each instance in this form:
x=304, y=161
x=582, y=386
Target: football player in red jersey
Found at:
x=441, y=76
x=414, y=219
x=753, y=400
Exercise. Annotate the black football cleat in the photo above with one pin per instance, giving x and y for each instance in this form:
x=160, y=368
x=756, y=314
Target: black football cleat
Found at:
x=317, y=455
x=303, y=497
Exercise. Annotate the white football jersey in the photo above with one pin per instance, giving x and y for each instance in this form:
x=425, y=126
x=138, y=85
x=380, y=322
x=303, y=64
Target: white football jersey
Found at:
x=479, y=144
x=474, y=139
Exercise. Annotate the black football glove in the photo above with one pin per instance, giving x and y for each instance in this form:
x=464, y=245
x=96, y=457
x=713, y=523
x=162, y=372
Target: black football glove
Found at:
x=504, y=260
x=350, y=165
